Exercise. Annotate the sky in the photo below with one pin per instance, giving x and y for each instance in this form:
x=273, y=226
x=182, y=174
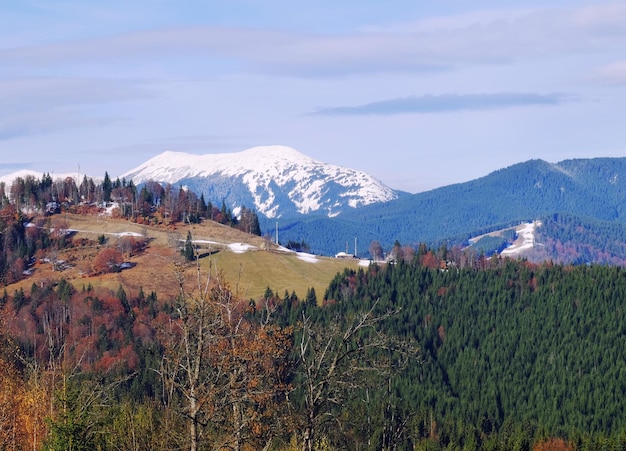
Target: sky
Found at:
x=418, y=94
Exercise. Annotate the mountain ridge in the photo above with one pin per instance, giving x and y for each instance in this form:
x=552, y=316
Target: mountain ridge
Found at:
x=328, y=206
x=590, y=189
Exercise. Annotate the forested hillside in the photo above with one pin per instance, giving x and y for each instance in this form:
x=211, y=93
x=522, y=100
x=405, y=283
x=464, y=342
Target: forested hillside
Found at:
x=591, y=192
x=594, y=190
x=571, y=239
x=441, y=349
x=512, y=350
x=445, y=351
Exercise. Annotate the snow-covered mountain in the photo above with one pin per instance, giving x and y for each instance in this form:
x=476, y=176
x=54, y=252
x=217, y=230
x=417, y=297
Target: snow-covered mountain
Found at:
x=277, y=181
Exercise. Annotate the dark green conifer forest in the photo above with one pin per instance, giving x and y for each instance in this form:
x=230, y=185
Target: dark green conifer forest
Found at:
x=509, y=354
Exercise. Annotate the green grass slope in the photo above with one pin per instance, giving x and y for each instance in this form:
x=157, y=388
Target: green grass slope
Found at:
x=252, y=272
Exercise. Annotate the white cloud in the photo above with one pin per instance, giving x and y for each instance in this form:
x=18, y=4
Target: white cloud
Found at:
x=39, y=122
x=20, y=93
x=445, y=42
x=614, y=73
x=604, y=18
x=43, y=105
x=446, y=103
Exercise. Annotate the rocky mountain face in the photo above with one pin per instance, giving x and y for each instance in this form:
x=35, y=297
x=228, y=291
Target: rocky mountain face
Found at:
x=277, y=181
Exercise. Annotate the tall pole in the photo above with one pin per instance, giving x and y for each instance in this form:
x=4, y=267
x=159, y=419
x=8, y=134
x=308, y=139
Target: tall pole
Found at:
x=355, y=254
x=276, y=232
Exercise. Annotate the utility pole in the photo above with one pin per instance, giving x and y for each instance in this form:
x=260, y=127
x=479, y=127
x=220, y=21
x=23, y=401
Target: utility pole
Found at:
x=355, y=253
x=277, y=233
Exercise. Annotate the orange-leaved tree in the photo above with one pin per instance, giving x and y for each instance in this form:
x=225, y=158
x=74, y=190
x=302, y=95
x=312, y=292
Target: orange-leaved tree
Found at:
x=23, y=400
x=223, y=370
x=107, y=260
x=553, y=444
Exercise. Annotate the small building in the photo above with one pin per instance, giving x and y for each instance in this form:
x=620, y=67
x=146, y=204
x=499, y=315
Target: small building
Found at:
x=344, y=255
x=52, y=208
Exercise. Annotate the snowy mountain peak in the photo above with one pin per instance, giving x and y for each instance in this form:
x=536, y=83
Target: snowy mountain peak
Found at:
x=275, y=152
x=275, y=180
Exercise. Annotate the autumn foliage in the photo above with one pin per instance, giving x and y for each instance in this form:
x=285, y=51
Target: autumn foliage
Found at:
x=553, y=444
x=23, y=401
x=107, y=260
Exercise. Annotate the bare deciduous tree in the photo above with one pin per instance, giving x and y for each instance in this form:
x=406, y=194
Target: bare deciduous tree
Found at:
x=335, y=360
x=376, y=250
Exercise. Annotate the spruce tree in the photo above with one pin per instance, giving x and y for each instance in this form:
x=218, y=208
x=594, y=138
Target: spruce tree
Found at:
x=107, y=187
x=188, y=250
x=311, y=297
x=255, y=227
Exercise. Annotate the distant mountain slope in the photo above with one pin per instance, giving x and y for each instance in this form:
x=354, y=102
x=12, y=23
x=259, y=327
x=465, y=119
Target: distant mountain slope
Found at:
x=520, y=192
x=594, y=189
x=275, y=180
x=23, y=173
x=566, y=238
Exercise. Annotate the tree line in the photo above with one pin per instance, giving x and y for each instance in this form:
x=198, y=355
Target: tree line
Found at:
x=152, y=203
x=29, y=223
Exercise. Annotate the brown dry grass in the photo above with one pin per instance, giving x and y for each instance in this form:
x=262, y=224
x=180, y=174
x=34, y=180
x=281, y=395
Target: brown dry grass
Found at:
x=248, y=273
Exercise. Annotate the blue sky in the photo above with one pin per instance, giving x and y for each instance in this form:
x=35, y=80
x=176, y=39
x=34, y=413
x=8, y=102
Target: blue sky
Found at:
x=418, y=94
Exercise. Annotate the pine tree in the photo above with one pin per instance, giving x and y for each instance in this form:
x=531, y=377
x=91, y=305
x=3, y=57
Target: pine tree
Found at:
x=188, y=250
x=107, y=187
x=255, y=228
x=121, y=295
x=311, y=297
x=65, y=290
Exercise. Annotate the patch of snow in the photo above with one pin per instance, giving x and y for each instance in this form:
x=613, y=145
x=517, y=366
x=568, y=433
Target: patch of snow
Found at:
x=343, y=255
x=307, y=257
x=364, y=262
x=204, y=242
x=108, y=209
x=120, y=234
x=64, y=232
x=526, y=239
x=240, y=248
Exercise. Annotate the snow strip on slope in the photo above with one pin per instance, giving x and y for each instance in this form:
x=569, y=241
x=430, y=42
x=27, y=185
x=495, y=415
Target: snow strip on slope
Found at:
x=240, y=248
x=526, y=239
x=307, y=257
